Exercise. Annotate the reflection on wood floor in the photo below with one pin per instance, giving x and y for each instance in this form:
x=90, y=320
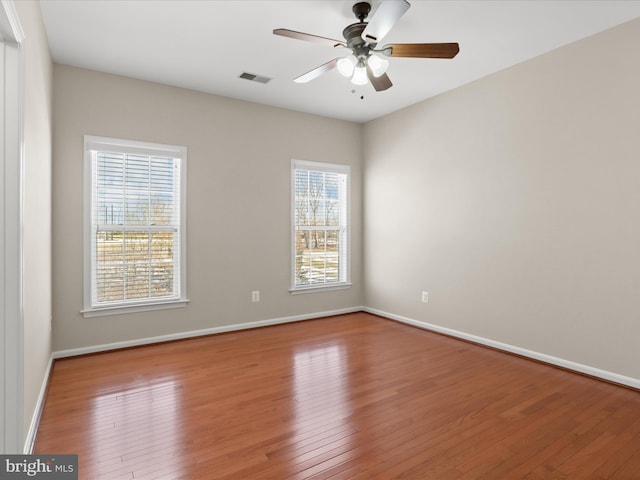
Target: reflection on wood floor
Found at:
x=347, y=397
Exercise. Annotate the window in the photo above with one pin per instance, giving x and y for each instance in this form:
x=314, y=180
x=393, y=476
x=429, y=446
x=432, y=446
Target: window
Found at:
x=135, y=242
x=320, y=226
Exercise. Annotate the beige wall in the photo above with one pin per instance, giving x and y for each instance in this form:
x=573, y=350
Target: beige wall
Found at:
x=239, y=160
x=515, y=201
x=37, y=205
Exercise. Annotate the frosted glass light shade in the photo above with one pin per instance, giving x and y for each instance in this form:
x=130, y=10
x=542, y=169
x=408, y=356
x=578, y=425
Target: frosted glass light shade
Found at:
x=346, y=65
x=360, y=74
x=378, y=65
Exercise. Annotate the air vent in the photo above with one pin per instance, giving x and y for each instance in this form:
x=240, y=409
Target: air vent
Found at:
x=255, y=78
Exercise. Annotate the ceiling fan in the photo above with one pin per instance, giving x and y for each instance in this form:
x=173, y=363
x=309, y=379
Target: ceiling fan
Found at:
x=367, y=63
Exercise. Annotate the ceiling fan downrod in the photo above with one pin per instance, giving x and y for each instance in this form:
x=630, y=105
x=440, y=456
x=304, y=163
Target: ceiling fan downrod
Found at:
x=361, y=10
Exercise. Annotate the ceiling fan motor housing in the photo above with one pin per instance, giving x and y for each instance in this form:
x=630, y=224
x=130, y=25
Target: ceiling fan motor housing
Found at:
x=353, y=33
x=353, y=36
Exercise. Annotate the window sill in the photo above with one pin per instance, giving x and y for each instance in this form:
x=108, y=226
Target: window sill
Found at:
x=319, y=288
x=135, y=308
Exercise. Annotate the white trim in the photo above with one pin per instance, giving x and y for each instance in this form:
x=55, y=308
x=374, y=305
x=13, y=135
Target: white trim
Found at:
x=123, y=309
x=11, y=237
x=320, y=166
x=542, y=357
x=320, y=288
x=198, y=333
x=93, y=142
x=10, y=28
x=30, y=438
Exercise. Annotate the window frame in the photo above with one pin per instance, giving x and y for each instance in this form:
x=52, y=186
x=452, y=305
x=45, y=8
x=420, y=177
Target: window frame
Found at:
x=95, y=144
x=345, y=256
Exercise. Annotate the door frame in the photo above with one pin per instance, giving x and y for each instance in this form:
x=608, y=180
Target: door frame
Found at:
x=11, y=237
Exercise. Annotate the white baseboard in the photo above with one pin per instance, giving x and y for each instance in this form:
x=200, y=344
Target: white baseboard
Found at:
x=198, y=333
x=569, y=365
x=560, y=362
x=30, y=438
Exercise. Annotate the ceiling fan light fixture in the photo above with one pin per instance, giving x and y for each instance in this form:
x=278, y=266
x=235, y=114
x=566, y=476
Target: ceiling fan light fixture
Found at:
x=360, y=74
x=346, y=65
x=377, y=64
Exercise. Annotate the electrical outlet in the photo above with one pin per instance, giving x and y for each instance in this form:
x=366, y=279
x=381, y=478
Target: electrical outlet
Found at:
x=425, y=297
x=255, y=296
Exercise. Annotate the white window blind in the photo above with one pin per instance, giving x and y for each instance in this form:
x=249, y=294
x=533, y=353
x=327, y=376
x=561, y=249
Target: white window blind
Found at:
x=320, y=204
x=135, y=226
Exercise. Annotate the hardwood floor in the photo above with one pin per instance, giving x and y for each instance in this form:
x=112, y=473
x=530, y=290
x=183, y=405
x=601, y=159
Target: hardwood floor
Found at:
x=347, y=397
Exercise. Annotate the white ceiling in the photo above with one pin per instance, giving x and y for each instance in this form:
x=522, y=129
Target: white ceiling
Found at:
x=206, y=45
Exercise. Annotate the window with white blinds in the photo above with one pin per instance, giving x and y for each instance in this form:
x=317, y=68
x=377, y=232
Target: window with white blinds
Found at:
x=135, y=229
x=320, y=194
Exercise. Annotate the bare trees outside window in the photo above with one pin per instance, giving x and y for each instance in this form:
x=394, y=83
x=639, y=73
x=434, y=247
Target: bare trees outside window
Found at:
x=320, y=218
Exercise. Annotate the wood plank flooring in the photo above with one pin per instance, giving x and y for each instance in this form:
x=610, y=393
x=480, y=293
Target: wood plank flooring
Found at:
x=347, y=397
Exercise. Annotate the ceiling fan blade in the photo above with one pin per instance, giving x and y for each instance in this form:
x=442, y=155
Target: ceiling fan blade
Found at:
x=383, y=20
x=422, y=50
x=316, y=72
x=379, y=83
x=308, y=37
